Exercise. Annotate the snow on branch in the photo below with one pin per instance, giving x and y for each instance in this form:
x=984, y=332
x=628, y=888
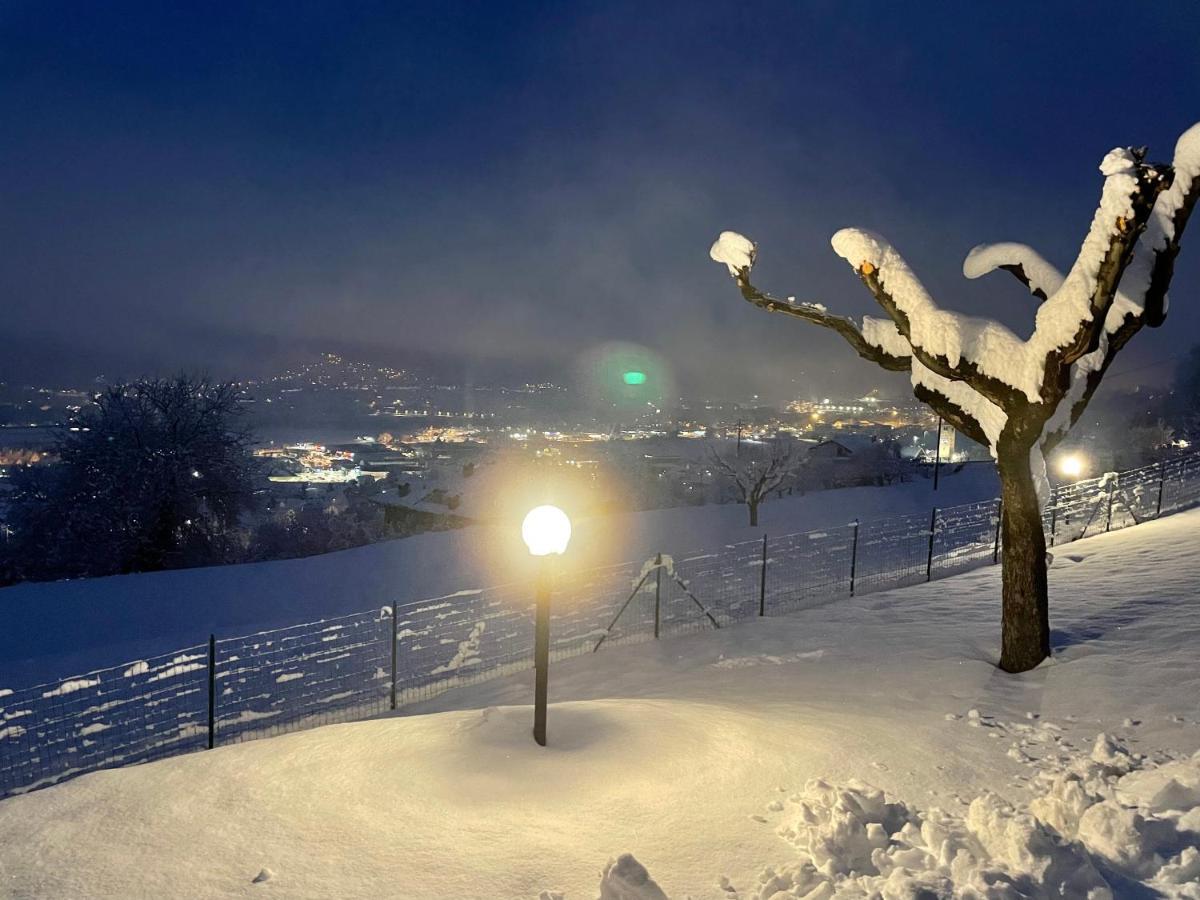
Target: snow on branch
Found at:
x=983, y=378
x=1071, y=321
x=1142, y=299
x=738, y=254
x=1022, y=261
x=1154, y=259
x=954, y=346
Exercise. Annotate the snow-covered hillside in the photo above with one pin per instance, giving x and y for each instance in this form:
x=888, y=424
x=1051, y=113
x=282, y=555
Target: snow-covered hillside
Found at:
x=57, y=629
x=737, y=763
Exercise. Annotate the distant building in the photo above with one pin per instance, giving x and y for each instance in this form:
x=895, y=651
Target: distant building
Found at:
x=844, y=447
x=946, y=447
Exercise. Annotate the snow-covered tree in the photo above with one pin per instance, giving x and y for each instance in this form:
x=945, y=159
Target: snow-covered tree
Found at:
x=755, y=472
x=1018, y=397
x=154, y=474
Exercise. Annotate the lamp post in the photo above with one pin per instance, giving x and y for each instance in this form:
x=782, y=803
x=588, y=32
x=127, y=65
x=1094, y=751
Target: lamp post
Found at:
x=546, y=532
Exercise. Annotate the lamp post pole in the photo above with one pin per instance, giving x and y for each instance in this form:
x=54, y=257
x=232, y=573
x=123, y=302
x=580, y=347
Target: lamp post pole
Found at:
x=541, y=652
x=546, y=532
x=937, y=456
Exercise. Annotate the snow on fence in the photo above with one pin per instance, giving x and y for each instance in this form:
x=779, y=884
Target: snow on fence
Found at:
x=236, y=689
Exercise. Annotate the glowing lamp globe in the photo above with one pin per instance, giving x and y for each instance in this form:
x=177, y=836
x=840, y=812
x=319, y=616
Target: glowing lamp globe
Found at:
x=546, y=530
x=1071, y=465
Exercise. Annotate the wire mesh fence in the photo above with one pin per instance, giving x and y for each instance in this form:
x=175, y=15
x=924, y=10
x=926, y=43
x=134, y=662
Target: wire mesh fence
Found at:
x=351, y=667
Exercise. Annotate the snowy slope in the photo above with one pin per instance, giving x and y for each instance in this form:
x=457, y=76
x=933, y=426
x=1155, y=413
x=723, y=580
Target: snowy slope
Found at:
x=699, y=756
x=106, y=621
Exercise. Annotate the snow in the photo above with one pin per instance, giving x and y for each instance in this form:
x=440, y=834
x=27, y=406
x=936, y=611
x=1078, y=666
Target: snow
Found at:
x=884, y=334
x=1061, y=315
x=627, y=879
x=995, y=349
x=1040, y=274
x=866, y=748
x=70, y=687
x=734, y=250
x=663, y=561
x=105, y=621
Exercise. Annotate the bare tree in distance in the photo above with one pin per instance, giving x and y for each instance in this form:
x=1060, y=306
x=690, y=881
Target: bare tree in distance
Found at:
x=1019, y=397
x=759, y=470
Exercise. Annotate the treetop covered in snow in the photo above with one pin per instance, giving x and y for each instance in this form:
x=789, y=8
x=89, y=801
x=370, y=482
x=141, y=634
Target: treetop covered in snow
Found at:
x=977, y=373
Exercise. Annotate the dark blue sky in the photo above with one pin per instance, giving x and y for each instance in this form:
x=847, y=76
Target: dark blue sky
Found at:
x=498, y=188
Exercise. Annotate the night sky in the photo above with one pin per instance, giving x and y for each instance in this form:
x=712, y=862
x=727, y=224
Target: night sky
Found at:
x=495, y=189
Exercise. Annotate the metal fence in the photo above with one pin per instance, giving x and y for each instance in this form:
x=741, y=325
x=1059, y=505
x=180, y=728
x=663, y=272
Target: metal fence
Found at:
x=237, y=689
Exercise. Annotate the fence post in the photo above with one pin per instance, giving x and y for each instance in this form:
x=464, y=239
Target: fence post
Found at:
x=1053, y=516
x=657, y=593
x=1162, y=477
x=853, y=557
x=395, y=637
x=212, y=691
x=999, y=518
x=929, y=558
x=762, y=581
x=1108, y=517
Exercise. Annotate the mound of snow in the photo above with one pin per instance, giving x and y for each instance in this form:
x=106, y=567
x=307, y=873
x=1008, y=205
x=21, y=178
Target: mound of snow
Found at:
x=627, y=879
x=1098, y=822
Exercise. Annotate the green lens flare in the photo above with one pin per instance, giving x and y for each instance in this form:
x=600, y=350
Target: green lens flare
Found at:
x=634, y=377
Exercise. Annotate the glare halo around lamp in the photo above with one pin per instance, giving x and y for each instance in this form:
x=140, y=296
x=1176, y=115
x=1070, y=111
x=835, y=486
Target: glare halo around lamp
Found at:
x=1071, y=466
x=546, y=532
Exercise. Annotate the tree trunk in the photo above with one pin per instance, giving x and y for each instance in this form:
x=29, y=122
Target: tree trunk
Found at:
x=1025, y=638
x=753, y=506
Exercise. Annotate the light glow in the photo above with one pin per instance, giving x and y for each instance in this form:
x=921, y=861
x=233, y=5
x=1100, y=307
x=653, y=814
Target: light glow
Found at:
x=1071, y=465
x=546, y=530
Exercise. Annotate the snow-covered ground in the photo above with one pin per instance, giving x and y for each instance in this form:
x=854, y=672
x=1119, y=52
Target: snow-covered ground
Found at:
x=740, y=763
x=57, y=629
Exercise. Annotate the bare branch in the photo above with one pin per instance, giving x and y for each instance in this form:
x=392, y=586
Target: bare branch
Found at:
x=816, y=315
x=728, y=471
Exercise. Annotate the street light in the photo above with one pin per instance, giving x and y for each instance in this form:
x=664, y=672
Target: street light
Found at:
x=546, y=532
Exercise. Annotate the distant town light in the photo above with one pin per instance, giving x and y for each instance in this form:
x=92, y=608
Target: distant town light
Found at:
x=1071, y=465
x=634, y=377
x=546, y=530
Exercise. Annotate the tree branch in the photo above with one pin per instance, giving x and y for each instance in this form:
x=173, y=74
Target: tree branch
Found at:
x=1163, y=268
x=1151, y=181
x=993, y=389
x=817, y=316
x=1024, y=263
x=962, y=421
